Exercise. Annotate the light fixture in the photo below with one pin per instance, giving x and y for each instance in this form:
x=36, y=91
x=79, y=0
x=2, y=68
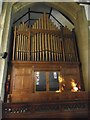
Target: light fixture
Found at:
x=3, y=55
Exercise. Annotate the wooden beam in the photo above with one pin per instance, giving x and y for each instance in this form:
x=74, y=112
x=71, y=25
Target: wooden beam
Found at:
x=20, y=17
x=50, y=12
x=30, y=20
x=38, y=12
x=29, y=16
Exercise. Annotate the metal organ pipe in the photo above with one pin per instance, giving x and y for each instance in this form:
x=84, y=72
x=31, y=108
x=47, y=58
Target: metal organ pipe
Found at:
x=43, y=42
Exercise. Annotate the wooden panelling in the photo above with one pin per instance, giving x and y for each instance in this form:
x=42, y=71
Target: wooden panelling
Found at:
x=21, y=80
x=22, y=88
x=43, y=97
x=67, y=105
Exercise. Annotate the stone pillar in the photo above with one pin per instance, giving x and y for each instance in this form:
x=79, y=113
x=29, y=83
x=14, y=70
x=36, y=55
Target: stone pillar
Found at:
x=2, y=21
x=4, y=44
x=89, y=59
x=0, y=109
x=0, y=6
x=81, y=28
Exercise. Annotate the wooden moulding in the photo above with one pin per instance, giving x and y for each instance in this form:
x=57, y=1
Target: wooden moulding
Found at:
x=66, y=107
x=45, y=65
x=45, y=97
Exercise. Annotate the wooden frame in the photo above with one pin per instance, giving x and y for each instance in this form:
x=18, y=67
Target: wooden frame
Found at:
x=23, y=95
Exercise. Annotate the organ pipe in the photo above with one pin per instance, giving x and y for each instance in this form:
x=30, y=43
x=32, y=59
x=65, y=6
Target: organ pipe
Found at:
x=42, y=42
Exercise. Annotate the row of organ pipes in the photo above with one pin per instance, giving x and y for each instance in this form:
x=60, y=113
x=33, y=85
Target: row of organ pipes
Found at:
x=43, y=41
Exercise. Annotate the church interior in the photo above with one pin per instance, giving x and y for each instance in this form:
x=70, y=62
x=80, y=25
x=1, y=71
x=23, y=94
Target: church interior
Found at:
x=44, y=60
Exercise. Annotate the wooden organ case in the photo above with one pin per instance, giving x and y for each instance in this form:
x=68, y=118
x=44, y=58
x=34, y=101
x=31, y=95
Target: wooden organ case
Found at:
x=45, y=62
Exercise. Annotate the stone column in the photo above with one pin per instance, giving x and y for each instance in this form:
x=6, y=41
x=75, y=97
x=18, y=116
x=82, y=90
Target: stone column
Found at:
x=2, y=21
x=4, y=45
x=89, y=58
x=0, y=109
x=81, y=28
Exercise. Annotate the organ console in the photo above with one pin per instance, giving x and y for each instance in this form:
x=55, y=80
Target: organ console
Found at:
x=46, y=49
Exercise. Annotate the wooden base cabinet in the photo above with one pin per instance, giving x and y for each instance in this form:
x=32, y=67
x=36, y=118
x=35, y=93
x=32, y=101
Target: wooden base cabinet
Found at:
x=36, y=81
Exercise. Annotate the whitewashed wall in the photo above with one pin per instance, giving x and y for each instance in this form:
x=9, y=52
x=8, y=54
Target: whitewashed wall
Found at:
x=0, y=6
x=61, y=19
x=4, y=37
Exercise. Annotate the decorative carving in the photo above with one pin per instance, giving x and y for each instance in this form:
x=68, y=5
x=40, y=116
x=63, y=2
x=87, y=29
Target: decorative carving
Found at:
x=29, y=108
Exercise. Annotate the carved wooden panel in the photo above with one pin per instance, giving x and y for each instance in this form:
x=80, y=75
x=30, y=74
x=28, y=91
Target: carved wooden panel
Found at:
x=69, y=105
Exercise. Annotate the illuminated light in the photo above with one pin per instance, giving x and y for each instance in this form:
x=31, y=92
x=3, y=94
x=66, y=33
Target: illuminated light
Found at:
x=55, y=75
x=62, y=88
x=37, y=83
x=73, y=85
x=37, y=78
x=62, y=84
x=60, y=79
x=37, y=73
x=76, y=88
x=57, y=91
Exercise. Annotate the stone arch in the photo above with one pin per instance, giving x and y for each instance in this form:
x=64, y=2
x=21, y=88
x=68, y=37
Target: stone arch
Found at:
x=69, y=9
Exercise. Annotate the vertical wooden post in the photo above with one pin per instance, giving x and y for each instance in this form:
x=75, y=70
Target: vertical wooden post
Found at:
x=29, y=46
x=75, y=45
x=49, y=47
x=59, y=80
x=49, y=38
x=43, y=41
x=24, y=50
x=23, y=47
x=26, y=47
x=40, y=40
x=18, y=47
x=35, y=44
x=47, y=81
x=63, y=46
x=32, y=48
x=14, y=43
x=52, y=46
x=45, y=27
x=57, y=51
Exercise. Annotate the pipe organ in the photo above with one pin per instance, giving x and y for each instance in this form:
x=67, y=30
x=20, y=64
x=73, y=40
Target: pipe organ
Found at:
x=43, y=42
x=45, y=58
